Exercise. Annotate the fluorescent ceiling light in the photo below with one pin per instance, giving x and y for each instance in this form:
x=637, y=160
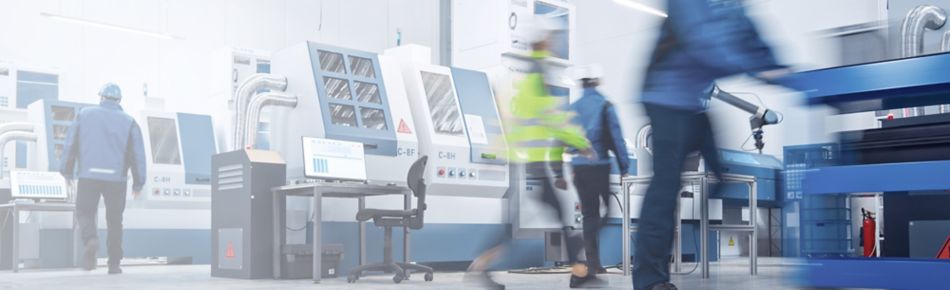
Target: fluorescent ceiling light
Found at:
x=109, y=26
x=642, y=7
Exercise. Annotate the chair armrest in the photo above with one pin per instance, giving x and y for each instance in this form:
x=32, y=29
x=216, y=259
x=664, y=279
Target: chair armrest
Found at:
x=369, y=213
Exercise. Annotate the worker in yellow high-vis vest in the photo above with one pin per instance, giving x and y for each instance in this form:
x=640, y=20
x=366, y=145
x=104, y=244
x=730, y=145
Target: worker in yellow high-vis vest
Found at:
x=540, y=131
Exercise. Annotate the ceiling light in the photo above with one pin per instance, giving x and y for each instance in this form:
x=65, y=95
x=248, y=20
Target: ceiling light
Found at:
x=642, y=7
x=109, y=26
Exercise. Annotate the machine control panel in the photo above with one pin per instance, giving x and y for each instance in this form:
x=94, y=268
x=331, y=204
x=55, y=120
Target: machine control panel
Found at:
x=38, y=185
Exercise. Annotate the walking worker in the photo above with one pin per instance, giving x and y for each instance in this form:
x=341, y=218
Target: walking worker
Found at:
x=599, y=119
x=700, y=41
x=102, y=146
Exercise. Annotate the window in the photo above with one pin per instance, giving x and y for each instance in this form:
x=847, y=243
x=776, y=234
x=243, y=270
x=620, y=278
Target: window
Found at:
x=343, y=115
x=363, y=67
x=443, y=104
x=367, y=93
x=337, y=88
x=354, y=96
x=331, y=62
x=163, y=137
x=373, y=118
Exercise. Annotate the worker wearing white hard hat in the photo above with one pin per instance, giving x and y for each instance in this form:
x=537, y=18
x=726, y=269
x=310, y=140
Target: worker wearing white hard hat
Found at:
x=601, y=125
x=102, y=146
x=540, y=130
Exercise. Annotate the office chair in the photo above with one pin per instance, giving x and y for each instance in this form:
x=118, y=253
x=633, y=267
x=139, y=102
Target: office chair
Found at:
x=388, y=219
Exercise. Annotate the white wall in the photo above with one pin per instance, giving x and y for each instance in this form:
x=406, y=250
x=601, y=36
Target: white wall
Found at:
x=180, y=70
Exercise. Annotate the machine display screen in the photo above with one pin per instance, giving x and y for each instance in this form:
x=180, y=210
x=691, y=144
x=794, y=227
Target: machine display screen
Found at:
x=163, y=137
x=560, y=40
x=443, y=105
x=333, y=159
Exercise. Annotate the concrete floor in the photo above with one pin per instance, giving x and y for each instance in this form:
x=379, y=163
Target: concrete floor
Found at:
x=732, y=274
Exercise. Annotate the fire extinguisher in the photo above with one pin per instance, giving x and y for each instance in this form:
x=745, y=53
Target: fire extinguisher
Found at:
x=868, y=235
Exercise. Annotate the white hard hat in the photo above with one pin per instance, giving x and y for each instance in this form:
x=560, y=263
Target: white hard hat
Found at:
x=591, y=71
x=541, y=27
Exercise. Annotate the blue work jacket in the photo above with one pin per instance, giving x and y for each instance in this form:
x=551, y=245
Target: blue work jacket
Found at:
x=701, y=41
x=104, y=143
x=602, y=127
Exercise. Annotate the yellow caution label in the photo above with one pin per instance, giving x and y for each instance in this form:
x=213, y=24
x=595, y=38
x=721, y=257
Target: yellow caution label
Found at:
x=732, y=242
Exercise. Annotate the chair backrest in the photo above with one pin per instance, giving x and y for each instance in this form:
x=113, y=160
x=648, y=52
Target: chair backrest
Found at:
x=417, y=183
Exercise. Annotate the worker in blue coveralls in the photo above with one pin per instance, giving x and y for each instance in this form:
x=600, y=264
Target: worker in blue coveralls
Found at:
x=601, y=126
x=700, y=41
x=102, y=146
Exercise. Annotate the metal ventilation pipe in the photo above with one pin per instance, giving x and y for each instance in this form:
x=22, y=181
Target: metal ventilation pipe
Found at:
x=16, y=126
x=254, y=108
x=9, y=136
x=643, y=138
x=915, y=24
x=243, y=95
x=918, y=21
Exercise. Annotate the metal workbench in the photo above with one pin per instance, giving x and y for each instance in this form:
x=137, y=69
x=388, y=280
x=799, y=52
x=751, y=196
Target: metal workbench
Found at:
x=703, y=179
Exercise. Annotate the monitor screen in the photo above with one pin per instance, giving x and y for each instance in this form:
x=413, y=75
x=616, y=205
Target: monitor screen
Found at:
x=443, y=105
x=560, y=40
x=333, y=159
x=163, y=137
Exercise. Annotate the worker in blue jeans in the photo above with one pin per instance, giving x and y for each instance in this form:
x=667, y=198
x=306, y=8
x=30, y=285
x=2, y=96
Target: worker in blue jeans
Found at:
x=102, y=146
x=700, y=41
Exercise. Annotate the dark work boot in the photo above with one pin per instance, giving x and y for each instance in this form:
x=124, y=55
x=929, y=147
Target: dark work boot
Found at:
x=114, y=269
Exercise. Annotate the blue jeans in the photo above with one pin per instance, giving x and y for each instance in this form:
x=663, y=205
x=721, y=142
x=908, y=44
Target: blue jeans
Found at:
x=676, y=134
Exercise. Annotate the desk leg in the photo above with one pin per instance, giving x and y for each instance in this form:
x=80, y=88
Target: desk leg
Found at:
x=625, y=224
x=753, y=237
x=278, y=216
x=362, y=233
x=317, y=235
x=77, y=237
x=15, y=253
x=704, y=226
x=407, y=204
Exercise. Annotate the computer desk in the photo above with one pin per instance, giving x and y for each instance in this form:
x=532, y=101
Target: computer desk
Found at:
x=319, y=190
x=12, y=211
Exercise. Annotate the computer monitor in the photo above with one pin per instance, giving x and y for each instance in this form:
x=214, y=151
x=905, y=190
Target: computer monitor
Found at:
x=333, y=159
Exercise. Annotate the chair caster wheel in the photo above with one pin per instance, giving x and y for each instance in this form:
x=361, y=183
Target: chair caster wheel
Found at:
x=352, y=279
x=398, y=278
x=428, y=277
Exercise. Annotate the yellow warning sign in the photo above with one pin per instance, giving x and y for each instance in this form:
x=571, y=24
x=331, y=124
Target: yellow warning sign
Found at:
x=732, y=242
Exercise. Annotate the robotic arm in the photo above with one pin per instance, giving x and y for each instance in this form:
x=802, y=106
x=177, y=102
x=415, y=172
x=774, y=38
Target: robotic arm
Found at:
x=761, y=116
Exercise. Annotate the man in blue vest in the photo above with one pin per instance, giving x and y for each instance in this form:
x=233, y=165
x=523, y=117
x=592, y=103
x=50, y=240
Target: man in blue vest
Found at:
x=102, y=146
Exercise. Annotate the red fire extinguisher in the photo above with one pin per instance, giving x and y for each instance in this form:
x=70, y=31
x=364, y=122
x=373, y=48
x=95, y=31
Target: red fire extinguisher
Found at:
x=868, y=233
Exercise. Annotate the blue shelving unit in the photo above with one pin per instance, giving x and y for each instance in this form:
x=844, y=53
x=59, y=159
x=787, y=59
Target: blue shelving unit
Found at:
x=902, y=83
x=812, y=226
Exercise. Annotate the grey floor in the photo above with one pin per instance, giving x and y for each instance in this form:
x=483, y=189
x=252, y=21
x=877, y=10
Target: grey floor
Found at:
x=733, y=274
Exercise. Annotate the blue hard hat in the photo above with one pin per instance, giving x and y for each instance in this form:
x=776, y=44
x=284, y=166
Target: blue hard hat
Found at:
x=111, y=91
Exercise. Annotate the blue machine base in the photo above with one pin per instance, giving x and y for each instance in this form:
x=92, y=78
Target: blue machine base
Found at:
x=897, y=274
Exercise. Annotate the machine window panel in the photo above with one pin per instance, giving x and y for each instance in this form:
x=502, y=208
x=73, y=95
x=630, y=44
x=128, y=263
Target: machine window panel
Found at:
x=374, y=118
x=163, y=136
x=331, y=62
x=367, y=93
x=343, y=115
x=337, y=88
x=361, y=66
x=443, y=104
x=63, y=113
x=60, y=132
